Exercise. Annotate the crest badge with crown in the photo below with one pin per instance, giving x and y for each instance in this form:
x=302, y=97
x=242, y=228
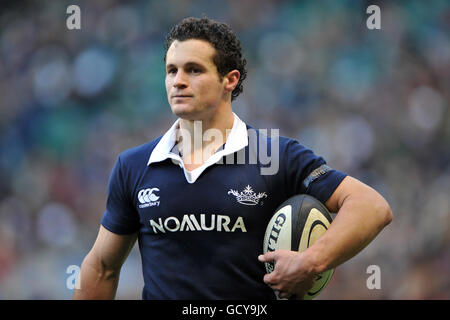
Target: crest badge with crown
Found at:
x=247, y=196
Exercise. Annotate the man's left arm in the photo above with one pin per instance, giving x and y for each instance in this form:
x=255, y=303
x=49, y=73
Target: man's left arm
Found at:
x=361, y=214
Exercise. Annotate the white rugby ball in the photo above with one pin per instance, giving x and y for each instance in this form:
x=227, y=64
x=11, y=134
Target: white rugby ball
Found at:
x=296, y=225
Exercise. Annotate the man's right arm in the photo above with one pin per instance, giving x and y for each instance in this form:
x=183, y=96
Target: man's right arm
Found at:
x=100, y=270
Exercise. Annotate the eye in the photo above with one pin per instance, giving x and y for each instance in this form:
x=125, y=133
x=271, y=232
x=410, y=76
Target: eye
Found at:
x=194, y=70
x=171, y=71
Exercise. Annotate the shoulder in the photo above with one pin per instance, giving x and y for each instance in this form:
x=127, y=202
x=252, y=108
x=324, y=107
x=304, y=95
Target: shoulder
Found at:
x=268, y=142
x=270, y=137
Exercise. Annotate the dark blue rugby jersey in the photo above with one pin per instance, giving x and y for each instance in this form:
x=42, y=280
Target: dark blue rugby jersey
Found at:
x=200, y=232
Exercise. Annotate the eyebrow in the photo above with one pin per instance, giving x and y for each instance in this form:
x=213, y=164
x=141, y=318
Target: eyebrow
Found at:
x=186, y=65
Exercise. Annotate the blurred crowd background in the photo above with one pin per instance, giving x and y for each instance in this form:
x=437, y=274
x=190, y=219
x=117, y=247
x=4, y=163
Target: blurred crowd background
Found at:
x=373, y=103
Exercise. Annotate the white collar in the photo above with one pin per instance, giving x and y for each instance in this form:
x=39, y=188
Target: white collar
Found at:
x=237, y=140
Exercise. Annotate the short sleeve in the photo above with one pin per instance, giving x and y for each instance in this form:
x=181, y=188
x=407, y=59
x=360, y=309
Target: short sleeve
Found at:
x=120, y=216
x=307, y=173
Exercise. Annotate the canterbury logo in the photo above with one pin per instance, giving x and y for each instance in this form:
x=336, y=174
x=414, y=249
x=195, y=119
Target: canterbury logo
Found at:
x=147, y=198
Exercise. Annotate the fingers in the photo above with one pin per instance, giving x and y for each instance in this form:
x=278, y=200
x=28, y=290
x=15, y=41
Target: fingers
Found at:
x=271, y=256
x=270, y=278
x=285, y=282
x=280, y=290
x=303, y=290
x=283, y=295
x=268, y=256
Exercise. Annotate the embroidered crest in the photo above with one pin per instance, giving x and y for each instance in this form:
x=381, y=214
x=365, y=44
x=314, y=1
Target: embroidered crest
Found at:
x=247, y=196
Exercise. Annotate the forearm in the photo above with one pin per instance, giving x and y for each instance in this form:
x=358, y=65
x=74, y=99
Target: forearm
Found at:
x=358, y=221
x=95, y=282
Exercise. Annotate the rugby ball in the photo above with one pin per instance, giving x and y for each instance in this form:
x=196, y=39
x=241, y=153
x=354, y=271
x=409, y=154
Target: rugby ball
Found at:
x=296, y=225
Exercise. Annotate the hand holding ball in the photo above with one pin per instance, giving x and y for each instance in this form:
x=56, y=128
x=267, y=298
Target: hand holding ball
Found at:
x=296, y=225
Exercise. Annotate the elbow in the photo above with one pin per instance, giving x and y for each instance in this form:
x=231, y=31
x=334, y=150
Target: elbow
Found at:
x=100, y=270
x=385, y=213
x=105, y=273
x=388, y=216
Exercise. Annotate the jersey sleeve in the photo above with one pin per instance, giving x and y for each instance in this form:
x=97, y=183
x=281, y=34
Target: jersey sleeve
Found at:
x=120, y=216
x=307, y=173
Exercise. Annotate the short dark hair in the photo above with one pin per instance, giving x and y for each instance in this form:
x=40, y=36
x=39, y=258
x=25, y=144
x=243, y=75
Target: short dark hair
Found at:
x=224, y=40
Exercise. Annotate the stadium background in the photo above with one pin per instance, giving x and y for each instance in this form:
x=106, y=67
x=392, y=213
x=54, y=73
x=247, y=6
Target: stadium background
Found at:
x=374, y=103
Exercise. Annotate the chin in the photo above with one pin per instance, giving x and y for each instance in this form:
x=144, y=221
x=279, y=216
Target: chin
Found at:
x=185, y=112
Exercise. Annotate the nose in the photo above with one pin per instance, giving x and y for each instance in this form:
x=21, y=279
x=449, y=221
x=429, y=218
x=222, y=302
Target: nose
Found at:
x=180, y=80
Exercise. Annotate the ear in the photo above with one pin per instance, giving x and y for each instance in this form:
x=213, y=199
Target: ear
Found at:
x=231, y=80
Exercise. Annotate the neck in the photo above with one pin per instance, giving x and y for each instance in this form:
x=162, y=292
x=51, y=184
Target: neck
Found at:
x=201, y=138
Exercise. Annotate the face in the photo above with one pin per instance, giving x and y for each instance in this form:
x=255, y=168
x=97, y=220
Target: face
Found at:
x=194, y=88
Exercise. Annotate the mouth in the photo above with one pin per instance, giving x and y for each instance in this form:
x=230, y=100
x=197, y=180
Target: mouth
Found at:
x=182, y=96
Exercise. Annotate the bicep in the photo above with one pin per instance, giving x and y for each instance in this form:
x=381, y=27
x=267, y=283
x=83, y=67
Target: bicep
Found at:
x=111, y=249
x=350, y=187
